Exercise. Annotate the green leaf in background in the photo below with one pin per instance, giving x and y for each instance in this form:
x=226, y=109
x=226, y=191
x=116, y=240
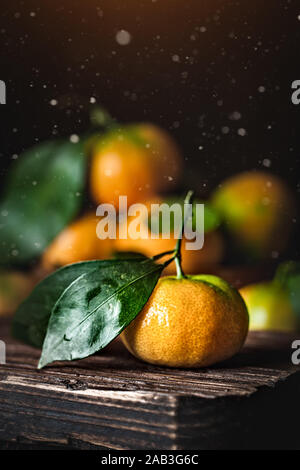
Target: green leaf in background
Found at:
x=31, y=318
x=97, y=307
x=288, y=275
x=42, y=196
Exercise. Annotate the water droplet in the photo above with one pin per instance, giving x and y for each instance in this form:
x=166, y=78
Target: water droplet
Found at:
x=74, y=138
x=235, y=116
x=242, y=132
x=266, y=162
x=123, y=37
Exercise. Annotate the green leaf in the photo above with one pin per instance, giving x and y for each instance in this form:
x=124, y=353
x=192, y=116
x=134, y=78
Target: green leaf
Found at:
x=31, y=318
x=288, y=275
x=42, y=196
x=128, y=255
x=96, y=308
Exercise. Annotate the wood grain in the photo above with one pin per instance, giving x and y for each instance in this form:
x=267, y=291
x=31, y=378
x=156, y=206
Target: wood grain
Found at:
x=112, y=400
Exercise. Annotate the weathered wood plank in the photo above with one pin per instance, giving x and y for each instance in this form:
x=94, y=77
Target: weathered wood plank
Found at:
x=112, y=400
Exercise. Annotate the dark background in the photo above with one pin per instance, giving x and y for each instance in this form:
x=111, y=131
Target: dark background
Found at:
x=67, y=50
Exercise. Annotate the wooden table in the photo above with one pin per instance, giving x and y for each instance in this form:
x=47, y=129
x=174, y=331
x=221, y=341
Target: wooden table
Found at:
x=114, y=401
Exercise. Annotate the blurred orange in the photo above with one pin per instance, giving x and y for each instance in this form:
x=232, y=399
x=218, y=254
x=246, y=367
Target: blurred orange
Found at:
x=14, y=288
x=133, y=161
x=258, y=210
x=77, y=242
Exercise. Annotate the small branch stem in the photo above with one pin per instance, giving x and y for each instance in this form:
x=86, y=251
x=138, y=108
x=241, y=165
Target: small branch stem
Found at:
x=180, y=273
x=177, y=252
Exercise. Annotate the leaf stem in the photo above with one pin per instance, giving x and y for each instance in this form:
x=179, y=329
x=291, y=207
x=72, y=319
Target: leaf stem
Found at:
x=101, y=118
x=177, y=252
x=161, y=255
